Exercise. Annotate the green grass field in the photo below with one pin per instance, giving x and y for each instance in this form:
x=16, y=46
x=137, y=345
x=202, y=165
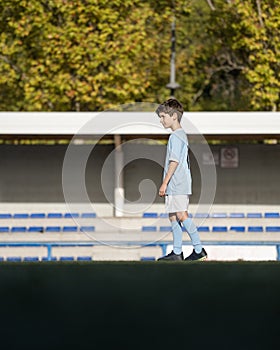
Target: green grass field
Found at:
x=50, y=305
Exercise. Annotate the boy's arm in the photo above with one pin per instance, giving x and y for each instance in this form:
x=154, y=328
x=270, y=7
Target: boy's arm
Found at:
x=171, y=169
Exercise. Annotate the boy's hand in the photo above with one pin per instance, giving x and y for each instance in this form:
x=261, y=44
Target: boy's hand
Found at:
x=162, y=190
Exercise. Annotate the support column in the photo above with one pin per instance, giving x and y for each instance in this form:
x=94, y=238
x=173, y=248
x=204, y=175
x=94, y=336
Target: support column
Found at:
x=118, y=189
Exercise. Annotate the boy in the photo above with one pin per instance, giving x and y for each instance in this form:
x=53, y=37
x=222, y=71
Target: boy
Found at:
x=176, y=185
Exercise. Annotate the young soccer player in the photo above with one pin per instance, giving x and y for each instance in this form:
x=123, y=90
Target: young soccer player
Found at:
x=177, y=182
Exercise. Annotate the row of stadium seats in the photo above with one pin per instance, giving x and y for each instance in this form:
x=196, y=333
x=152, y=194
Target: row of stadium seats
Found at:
x=47, y=229
x=16, y=229
x=268, y=215
x=62, y=258
x=217, y=229
x=36, y=258
x=47, y=215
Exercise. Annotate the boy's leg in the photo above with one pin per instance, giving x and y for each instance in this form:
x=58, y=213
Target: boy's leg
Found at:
x=176, y=253
x=191, y=230
x=177, y=234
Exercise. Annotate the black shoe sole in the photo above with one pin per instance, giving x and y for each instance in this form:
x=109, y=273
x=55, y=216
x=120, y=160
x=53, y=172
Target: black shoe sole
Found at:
x=200, y=259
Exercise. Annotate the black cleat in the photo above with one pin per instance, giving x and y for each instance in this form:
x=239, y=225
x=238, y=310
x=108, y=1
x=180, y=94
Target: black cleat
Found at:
x=197, y=257
x=172, y=256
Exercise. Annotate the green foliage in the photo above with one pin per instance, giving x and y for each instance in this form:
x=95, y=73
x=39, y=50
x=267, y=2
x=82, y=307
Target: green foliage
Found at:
x=88, y=55
x=80, y=55
x=243, y=61
x=260, y=41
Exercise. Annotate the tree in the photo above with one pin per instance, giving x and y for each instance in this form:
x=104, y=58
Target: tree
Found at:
x=242, y=65
x=81, y=55
x=257, y=35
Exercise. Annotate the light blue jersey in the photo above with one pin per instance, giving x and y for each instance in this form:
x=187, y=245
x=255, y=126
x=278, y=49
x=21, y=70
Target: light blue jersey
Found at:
x=177, y=150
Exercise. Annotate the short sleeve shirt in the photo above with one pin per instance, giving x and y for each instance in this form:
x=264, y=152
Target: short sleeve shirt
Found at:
x=177, y=150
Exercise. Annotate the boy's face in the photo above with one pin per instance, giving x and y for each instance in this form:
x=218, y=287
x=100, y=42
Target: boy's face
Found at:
x=166, y=120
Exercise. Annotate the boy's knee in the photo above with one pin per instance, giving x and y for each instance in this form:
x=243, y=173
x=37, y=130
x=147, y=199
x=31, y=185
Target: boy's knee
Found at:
x=182, y=216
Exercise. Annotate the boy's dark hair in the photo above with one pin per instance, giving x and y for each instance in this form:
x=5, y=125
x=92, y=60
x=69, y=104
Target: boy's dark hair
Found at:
x=171, y=106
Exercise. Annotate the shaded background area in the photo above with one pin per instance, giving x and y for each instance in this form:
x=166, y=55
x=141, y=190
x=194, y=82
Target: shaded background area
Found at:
x=143, y=305
x=34, y=174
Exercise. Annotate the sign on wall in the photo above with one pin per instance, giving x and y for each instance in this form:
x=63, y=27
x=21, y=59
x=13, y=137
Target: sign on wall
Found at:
x=229, y=157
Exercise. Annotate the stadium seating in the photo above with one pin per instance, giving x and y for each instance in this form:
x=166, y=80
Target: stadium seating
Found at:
x=239, y=215
x=219, y=215
x=53, y=258
x=203, y=229
x=149, y=228
x=5, y=216
x=66, y=258
x=271, y=215
x=236, y=215
x=54, y=215
x=84, y=258
x=254, y=215
x=219, y=229
x=46, y=215
x=37, y=215
x=87, y=228
x=19, y=229
x=255, y=229
x=147, y=258
x=21, y=216
x=237, y=228
x=13, y=258
x=71, y=215
x=53, y=229
x=35, y=229
x=272, y=228
x=165, y=228
x=70, y=229
x=31, y=258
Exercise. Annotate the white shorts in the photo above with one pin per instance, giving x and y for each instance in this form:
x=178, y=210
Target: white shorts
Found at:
x=176, y=203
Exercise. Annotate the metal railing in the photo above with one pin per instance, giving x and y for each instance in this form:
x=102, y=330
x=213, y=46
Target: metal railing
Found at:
x=162, y=244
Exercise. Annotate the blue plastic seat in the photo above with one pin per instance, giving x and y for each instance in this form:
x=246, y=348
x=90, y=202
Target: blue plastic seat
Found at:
x=88, y=215
x=255, y=229
x=237, y=228
x=163, y=215
x=13, y=258
x=53, y=229
x=271, y=215
x=70, y=229
x=19, y=229
x=165, y=228
x=31, y=258
x=148, y=258
x=71, y=215
x=203, y=229
x=54, y=215
x=201, y=215
x=4, y=229
x=84, y=258
x=21, y=216
x=5, y=216
x=150, y=215
x=236, y=215
x=45, y=258
x=87, y=228
x=66, y=258
x=36, y=229
x=219, y=229
x=254, y=215
x=149, y=228
x=272, y=228
x=37, y=215
x=219, y=215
